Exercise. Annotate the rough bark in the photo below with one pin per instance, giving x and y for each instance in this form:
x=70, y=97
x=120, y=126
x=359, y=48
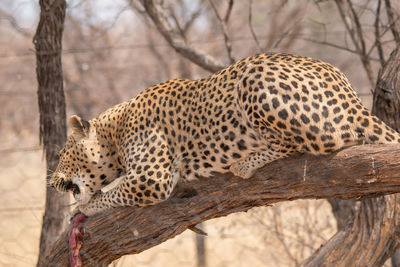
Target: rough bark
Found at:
x=372, y=236
x=386, y=103
x=357, y=172
x=51, y=99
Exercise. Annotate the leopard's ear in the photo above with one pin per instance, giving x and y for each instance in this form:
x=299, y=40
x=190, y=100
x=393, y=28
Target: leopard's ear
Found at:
x=80, y=127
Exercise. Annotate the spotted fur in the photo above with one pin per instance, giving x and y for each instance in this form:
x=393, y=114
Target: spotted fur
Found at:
x=258, y=110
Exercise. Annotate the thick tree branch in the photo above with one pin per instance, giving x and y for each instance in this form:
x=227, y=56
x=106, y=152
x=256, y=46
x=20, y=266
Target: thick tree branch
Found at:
x=176, y=40
x=357, y=172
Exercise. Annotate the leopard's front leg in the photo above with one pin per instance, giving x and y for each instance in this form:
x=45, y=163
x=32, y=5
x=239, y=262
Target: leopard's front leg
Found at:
x=150, y=179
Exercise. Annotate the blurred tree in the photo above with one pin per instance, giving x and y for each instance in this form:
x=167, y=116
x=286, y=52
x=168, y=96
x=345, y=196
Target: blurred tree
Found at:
x=47, y=41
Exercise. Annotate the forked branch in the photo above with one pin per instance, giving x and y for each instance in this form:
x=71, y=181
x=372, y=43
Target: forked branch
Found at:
x=176, y=40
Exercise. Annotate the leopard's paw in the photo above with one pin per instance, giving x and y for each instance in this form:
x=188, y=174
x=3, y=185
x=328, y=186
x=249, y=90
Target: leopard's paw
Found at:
x=241, y=169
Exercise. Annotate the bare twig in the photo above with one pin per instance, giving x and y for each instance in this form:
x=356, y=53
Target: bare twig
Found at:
x=228, y=11
x=251, y=26
x=156, y=53
x=364, y=56
x=176, y=21
x=356, y=36
x=279, y=236
x=224, y=27
x=285, y=34
x=382, y=32
x=14, y=24
x=192, y=19
x=392, y=22
x=328, y=44
x=377, y=34
x=359, y=29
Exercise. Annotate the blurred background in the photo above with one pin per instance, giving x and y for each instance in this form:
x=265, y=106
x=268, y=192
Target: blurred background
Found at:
x=112, y=51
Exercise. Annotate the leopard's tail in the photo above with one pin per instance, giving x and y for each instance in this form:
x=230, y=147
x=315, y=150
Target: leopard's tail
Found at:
x=372, y=130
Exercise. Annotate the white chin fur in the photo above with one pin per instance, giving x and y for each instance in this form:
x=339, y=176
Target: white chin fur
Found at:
x=84, y=196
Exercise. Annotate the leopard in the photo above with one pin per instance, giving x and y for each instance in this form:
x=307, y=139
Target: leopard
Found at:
x=260, y=109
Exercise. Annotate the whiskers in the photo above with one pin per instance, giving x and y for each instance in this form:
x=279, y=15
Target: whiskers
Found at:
x=48, y=182
x=49, y=175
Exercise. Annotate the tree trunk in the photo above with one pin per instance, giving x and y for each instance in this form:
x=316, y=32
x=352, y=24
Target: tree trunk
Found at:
x=47, y=41
x=386, y=103
x=343, y=210
x=201, y=247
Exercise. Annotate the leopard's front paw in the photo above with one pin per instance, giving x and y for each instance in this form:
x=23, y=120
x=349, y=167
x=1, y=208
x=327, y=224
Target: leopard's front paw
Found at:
x=89, y=209
x=241, y=169
x=94, y=206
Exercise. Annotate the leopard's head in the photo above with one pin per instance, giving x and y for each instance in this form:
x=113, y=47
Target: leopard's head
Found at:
x=86, y=164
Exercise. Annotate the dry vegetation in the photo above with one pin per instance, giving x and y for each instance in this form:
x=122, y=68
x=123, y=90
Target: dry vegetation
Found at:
x=111, y=51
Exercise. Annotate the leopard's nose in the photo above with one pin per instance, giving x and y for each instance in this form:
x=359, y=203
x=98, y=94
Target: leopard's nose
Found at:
x=69, y=185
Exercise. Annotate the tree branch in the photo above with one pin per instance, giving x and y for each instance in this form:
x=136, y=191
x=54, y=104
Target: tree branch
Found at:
x=356, y=35
x=356, y=172
x=377, y=34
x=392, y=22
x=250, y=20
x=176, y=40
x=14, y=24
x=224, y=27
